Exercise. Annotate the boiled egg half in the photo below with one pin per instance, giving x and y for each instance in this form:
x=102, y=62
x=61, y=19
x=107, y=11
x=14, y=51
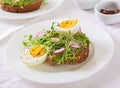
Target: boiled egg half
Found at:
x=67, y=25
x=34, y=55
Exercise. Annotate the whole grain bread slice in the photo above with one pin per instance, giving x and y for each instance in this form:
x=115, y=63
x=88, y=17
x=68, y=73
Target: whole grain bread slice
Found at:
x=81, y=57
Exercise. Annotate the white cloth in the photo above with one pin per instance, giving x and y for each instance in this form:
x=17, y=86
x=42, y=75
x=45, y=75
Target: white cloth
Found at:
x=108, y=77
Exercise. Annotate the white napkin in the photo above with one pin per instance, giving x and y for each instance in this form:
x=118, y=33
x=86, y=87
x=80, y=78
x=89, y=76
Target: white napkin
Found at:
x=9, y=26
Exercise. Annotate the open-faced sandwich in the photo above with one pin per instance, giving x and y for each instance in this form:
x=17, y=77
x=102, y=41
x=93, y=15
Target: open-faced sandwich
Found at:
x=21, y=6
x=63, y=44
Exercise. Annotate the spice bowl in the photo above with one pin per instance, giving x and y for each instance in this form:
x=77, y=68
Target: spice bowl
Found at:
x=108, y=12
x=87, y=4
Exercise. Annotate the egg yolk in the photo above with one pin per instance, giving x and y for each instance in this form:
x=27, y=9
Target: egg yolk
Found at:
x=68, y=24
x=37, y=51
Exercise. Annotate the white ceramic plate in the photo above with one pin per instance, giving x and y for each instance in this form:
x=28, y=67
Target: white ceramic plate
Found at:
x=52, y=5
x=103, y=51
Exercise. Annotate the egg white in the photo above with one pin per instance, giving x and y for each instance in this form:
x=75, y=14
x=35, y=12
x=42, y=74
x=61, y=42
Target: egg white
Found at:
x=74, y=30
x=29, y=60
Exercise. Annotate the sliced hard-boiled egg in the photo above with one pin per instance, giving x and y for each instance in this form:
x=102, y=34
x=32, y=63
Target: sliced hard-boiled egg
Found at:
x=34, y=56
x=67, y=25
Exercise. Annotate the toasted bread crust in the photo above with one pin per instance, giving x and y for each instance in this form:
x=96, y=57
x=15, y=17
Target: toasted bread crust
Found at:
x=79, y=58
x=22, y=9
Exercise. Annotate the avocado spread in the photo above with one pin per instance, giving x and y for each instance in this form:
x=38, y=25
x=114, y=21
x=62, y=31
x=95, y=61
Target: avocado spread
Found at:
x=18, y=2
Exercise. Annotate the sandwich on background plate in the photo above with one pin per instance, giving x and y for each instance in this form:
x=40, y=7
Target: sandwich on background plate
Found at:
x=21, y=6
